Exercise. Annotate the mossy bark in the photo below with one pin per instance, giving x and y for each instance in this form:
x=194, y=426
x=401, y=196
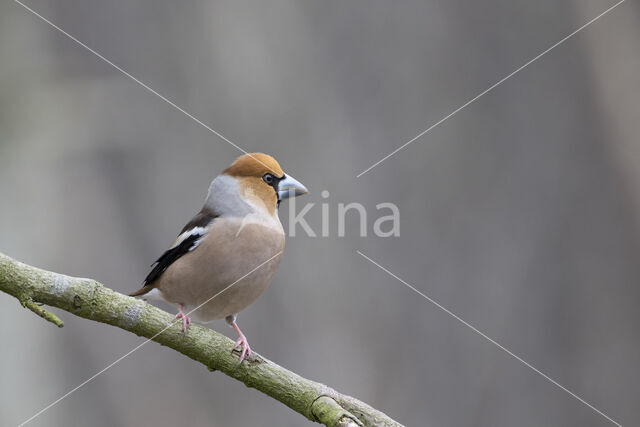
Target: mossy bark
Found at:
x=91, y=300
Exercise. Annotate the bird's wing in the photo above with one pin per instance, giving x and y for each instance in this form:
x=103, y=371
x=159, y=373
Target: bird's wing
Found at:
x=188, y=240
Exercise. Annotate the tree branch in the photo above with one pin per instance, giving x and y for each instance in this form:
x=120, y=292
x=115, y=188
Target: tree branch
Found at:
x=91, y=300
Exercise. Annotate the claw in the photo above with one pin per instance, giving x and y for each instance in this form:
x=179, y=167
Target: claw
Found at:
x=186, y=321
x=245, y=350
x=242, y=342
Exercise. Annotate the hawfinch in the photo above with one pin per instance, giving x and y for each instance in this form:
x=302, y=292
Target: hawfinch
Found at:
x=226, y=256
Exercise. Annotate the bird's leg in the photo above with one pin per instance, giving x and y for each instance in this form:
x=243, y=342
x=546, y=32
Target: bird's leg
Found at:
x=242, y=343
x=242, y=340
x=185, y=320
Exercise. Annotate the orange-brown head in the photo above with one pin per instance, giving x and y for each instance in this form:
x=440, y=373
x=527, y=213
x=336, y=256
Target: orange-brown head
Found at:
x=254, y=165
x=262, y=182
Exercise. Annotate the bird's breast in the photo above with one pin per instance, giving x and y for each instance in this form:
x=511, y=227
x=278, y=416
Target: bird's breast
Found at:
x=233, y=264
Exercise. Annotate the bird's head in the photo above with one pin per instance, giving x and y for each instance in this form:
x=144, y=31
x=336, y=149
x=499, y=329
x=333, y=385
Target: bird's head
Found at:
x=262, y=181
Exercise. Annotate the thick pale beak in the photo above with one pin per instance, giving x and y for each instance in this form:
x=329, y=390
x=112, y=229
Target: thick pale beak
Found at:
x=290, y=187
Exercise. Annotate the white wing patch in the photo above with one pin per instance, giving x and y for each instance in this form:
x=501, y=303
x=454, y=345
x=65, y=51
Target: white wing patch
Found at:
x=195, y=231
x=196, y=243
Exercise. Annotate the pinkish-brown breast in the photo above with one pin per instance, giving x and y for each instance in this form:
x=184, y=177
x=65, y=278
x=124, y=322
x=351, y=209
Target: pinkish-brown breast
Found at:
x=229, y=251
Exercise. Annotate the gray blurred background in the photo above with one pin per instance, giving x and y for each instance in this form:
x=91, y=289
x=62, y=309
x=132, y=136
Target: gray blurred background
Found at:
x=520, y=214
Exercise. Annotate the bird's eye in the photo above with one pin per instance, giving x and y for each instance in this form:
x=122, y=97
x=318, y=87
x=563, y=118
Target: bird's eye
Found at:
x=268, y=178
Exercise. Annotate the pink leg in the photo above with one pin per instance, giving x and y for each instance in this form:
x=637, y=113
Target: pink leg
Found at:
x=241, y=342
x=185, y=320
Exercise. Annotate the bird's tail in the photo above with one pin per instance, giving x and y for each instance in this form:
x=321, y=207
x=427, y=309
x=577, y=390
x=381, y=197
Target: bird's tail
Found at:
x=142, y=291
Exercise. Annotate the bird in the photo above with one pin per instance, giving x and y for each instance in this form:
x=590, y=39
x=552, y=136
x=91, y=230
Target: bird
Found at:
x=227, y=254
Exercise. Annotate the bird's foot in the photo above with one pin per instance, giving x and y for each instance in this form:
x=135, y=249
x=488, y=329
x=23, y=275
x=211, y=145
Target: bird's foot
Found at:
x=186, y=320
x=243, y=344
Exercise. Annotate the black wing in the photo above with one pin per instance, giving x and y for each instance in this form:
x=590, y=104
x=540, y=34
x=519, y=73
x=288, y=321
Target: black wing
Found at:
x=170, y=255
x=188, y=240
